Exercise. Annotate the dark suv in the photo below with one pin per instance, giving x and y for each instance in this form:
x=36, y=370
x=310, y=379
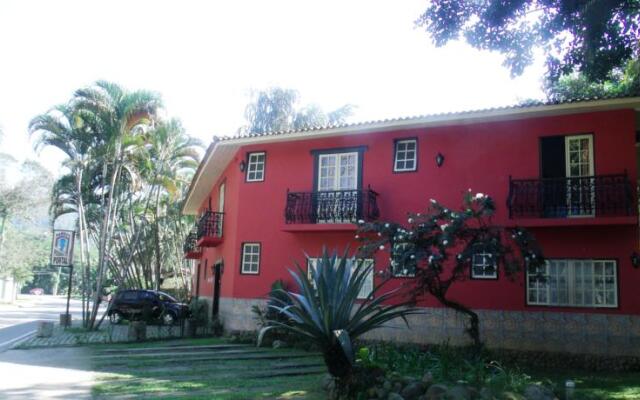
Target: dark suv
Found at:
x=146, y=304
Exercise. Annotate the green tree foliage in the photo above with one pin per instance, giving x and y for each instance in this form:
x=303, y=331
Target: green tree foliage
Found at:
x=436, y=248
x=620, y=82
x=127, y=169
x=24, y=196
x=276, y=109
x=325, y=309
x=590, y=37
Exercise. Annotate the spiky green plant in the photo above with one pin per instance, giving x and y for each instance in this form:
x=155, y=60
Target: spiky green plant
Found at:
x=327, y=310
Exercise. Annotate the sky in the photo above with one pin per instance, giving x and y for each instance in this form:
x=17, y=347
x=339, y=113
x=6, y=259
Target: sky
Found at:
x=206, y=57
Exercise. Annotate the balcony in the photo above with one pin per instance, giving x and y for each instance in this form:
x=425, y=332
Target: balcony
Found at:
x=330, y=210
x=210, y=229
x=604, y=197
x=190, y=248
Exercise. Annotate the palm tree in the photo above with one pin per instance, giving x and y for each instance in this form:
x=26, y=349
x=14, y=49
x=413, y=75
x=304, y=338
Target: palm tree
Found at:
x=61, y=128
x=112, y=113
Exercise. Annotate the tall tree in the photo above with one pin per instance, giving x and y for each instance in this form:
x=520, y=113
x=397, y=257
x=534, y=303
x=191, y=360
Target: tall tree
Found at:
x=590, y=37
x=621, y=82
x=276, y=109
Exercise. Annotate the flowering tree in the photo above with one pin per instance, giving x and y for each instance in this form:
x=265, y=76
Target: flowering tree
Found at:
x=442, y=246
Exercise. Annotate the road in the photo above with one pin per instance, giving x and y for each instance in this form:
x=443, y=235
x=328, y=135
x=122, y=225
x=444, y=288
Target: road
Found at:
x=19, y=320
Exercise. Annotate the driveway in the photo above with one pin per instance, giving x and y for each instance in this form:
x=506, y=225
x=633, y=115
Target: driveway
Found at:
x=54, y=373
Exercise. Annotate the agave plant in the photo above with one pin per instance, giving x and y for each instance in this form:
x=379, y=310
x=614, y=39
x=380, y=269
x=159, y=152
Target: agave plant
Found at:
x=327, y=310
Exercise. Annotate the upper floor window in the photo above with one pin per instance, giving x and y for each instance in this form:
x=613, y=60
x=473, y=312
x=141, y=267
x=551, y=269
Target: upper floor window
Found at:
x=255, y=166
x=575, y=283
x=250, y=258
x=406, y=155
x=483, y=265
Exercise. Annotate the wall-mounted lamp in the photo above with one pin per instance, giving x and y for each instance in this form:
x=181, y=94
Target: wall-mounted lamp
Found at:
x=243, y=165
x=439, y=160
x=635, y=259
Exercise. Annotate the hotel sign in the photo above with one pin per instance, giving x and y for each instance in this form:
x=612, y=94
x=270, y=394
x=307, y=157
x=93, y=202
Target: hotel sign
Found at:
x=62, y=248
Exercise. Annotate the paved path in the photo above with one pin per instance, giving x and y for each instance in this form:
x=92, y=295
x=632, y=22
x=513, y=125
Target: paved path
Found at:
x=56, y=373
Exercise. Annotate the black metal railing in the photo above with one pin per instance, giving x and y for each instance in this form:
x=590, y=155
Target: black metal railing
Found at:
x=602, y=195
x=210, y=224
x=191, y=243
x=339, y=206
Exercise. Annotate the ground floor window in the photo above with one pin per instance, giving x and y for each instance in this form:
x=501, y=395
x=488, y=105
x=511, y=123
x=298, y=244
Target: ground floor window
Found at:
x=250, y=258
x=578, y=283
x=367, y=287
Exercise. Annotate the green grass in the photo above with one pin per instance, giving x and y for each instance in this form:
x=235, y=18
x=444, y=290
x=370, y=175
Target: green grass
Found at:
x=226, y=379
x=596, y=385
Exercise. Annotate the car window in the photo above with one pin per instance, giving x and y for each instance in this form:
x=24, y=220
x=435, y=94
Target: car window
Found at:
x=128, y=296
x=166, y=297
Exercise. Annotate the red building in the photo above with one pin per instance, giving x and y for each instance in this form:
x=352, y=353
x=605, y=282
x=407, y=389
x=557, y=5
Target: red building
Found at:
x=566, y=171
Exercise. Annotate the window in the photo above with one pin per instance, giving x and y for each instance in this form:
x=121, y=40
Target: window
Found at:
x=367, y=287
x=250, y=258
x=483, y=265
x=403, y=263
x=255, y=167
x=406, y=157
x=578, y=283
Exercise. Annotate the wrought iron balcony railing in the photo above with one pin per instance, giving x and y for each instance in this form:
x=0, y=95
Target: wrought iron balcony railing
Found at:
x=588, y=196
x=210, y=225
x=339, y=206
x=191, y=243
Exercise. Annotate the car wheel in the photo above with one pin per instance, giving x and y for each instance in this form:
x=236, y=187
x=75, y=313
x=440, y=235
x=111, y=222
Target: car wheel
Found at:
x=115, y=318
x=168, y=319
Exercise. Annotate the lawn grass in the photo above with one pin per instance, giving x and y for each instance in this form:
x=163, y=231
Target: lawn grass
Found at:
x=595, y=385
x=192, y=376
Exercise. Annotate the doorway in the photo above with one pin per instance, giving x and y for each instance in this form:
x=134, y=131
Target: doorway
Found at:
x=217, y=278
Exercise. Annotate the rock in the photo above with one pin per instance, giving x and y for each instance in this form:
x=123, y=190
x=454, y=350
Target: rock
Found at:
x=397, y=387
x=382, y=393
x=387, y=385
x=538, y=392
x=45, y=329
x=327, y=382
x=511, y=396
x=436, y=392
x=372, y=392
x=395, y=396
x=412, y=391
x=137, y=331
x=427, y=378
x=485, y=394
x=458, y=393
x=279, y=344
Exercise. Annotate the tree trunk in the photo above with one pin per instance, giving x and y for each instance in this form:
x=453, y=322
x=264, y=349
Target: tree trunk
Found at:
x=104, y=232
x=474, y=322
x=157, y=242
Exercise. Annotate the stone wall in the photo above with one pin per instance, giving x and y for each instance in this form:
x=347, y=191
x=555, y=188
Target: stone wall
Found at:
x=581, y=333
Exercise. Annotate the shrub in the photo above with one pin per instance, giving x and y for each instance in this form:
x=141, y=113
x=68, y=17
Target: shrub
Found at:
x=326, y=309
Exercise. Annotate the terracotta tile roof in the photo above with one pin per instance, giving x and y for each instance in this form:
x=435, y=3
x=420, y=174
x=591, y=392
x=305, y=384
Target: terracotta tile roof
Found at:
x=364, y=124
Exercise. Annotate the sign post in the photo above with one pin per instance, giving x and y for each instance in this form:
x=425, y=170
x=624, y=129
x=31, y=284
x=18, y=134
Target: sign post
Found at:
x=62, y=256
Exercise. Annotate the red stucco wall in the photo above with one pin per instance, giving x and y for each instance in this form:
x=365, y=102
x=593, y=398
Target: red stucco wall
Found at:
x=479, y=156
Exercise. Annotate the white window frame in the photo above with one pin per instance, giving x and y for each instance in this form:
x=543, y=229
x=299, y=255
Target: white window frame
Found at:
x=483, y=257
x=404, y=152
x=256, y=166
x=247, y=265
x=575, y=284
x=368, y=286
x=591, y=172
